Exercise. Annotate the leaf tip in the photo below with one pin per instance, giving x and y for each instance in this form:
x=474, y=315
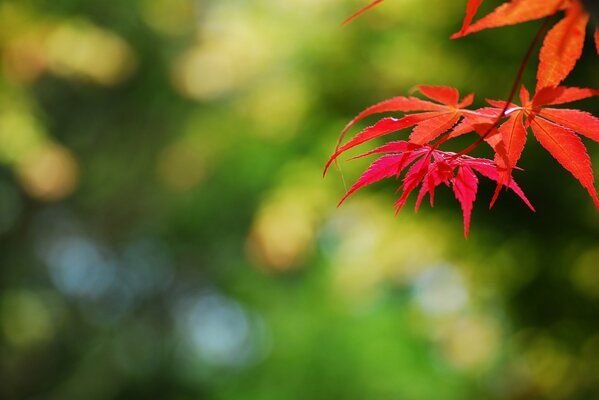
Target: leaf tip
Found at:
x=496, y=194
x=328, y=165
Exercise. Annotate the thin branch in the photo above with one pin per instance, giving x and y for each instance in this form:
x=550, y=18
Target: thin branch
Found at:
x=515, y=86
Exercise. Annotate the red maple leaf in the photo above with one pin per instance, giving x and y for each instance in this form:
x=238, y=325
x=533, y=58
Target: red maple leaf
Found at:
x=430, y=168
x=563, y=44
x=554, y=128
x=434, y=119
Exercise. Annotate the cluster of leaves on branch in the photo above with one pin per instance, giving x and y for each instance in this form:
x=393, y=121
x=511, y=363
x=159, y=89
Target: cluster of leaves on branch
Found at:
x=503, y=125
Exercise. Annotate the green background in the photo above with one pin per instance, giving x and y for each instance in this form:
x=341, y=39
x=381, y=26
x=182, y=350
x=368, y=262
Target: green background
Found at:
x=166, y=233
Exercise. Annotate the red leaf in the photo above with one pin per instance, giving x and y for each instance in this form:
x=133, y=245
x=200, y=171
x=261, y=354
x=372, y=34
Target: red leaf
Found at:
x=576, y=120
x=514, y=12
x=449, y=97
x=404, y=104
x=561, y=94
x=490, y=171
x=443, y=94
x=465, y=185
x=467, y=101
x=438, y=172
x=524, y=95
x=381, y=128
x=562, y=47
x=428, y=186
x=568, y=150
x=508, y=146
x=399, y=146
x=386, y=166
x=480, y=119
x=413, y=177
x=361, y=11
x=500, y=104
x=430, y=129
x=513, y=136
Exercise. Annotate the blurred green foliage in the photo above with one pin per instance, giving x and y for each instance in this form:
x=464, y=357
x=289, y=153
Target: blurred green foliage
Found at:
x=165, y=231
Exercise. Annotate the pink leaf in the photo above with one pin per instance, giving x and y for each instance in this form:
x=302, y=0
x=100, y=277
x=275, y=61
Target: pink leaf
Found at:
x=386, y=166
x=465, y=185
x=381, y=128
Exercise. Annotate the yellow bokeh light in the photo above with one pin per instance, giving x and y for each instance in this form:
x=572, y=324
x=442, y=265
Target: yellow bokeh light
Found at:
x=25, y=319
x=375, y=247
x=285, y=226
x=281, y=234
x=81, y=50
x=585, y=274
x=233, y=52
x=49, y=173
x=24, y=58
x=204, y=74
x=171, y=17
x=276, y=107
x=470, y=342
x=547, y=366
x=15, y=16
x=310, y=7
x=20, y=134
x=180, y=166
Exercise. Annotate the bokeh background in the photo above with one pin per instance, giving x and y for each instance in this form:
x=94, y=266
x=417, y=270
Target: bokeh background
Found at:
x=165, y=231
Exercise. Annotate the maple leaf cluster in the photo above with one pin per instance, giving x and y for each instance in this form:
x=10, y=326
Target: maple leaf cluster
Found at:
x=503, y=125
